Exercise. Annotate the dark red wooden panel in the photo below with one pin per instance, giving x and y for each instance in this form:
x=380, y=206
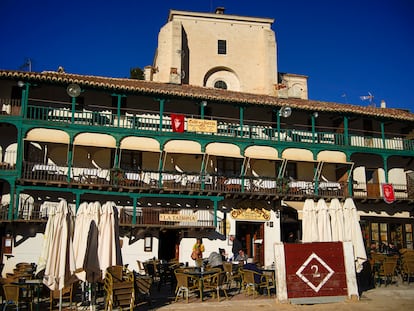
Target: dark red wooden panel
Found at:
x=315, y=270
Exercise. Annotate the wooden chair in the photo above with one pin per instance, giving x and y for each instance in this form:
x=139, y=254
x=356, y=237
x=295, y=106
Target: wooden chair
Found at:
x=143, y=285
x=232, y=276
x=141, y=268
x=254, y=281
x=407, y=270
x=67, y=294
x=248, y=285
x=269, y=282
x=186, y=284
x=387, y=272
x=216, y=282
x=119, y=287
x=12, y=296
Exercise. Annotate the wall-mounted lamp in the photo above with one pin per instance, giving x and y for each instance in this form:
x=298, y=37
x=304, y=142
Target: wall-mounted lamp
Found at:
x=277, y=214
x=73, y=90
x=285, y=112
x=315, y=114
x=204, y=103
x=20, y=84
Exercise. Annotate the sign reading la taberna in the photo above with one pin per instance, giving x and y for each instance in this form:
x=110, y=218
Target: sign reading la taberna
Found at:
x=388, y=193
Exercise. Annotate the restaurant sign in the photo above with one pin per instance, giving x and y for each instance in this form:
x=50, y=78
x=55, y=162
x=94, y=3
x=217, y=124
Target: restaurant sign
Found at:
x=178, y=217
x=388, y=192
x=250, y=214
x=201, y=125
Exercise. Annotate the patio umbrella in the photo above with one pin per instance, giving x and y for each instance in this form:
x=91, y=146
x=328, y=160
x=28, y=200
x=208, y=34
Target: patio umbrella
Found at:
x=60, y=264
x=309, y=222
x=353, y=233
x=324, y=223
x=109, y=249
x=85, y=242
x=337, y=220
x=47, y=240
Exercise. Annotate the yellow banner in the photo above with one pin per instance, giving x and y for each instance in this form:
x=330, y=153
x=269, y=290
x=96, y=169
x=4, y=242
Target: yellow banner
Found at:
x=250, y=214
x=200, y=125
x=178, y=217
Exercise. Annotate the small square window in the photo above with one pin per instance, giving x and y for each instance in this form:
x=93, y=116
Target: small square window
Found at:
x=222, y=47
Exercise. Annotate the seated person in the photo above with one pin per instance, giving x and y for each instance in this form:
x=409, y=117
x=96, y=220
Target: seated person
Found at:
x=215, y=260
x=392, y=249
x=253, y=267
x=241, y=256
x=222, y=252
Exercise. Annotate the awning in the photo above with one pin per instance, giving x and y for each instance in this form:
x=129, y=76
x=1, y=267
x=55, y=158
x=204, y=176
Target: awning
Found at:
x=95, y=140
x=332, y=157
x=261, y=152
x=223, y=149
x=140, y=143
x=48, y=135
x=182, y=146
x=298, y=154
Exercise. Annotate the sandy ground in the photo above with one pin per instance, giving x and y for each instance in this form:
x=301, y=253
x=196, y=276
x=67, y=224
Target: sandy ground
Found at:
x=390, y=297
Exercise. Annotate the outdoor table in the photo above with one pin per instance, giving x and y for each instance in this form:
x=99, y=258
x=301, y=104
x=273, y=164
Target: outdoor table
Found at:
x=200, y=274
x=35, y=285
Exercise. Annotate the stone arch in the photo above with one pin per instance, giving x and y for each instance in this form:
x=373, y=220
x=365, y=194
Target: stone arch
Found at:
x=224, y=74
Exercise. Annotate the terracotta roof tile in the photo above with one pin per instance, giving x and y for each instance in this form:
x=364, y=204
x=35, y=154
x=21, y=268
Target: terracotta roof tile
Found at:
x=203, y=93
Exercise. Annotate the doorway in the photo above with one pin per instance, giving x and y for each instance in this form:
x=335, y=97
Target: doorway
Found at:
x=169, y=241
x=251, y=235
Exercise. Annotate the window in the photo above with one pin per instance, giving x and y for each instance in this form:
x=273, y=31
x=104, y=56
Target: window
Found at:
x=229, y=166
x=222, y=47
x=220, y=85
x=131, y=160
x=409, y=235
x=291, y=170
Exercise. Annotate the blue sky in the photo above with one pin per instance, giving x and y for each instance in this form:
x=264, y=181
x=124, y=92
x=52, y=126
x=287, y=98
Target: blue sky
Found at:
x=347, y=47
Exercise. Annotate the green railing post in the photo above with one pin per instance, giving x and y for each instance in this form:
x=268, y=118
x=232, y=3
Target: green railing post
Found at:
x=134, y=210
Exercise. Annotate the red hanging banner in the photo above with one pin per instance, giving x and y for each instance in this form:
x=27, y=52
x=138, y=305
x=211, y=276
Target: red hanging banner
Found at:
x=177, y=122
x=388, y=193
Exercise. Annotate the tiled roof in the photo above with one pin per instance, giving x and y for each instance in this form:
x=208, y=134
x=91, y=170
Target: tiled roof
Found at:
x=124, y=85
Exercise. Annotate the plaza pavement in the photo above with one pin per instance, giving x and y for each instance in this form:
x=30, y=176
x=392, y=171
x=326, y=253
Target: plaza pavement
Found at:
x=391, y=297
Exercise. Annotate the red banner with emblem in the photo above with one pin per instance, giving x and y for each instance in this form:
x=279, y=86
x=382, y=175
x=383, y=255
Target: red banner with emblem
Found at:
x=388, y=193
x=177, y=122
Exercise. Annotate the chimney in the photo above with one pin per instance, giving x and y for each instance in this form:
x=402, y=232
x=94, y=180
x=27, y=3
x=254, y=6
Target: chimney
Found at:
x=220, y=10
x=383, y=104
